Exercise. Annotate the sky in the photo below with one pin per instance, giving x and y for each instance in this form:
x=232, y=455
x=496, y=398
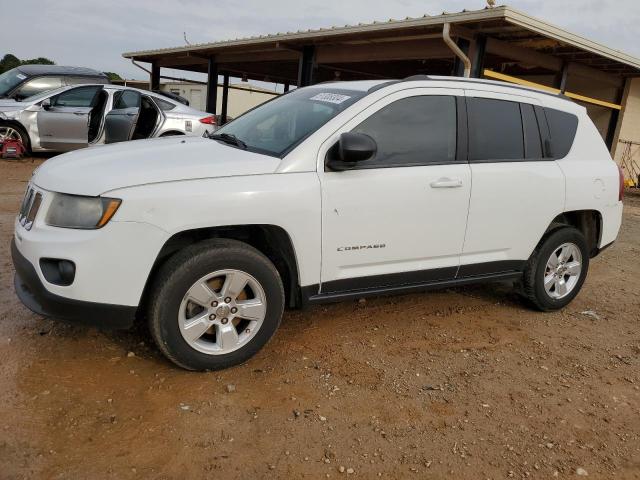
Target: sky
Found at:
x=94, y=34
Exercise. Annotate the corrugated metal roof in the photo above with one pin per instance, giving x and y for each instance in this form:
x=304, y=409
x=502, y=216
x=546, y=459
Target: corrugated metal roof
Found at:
x=507, y=14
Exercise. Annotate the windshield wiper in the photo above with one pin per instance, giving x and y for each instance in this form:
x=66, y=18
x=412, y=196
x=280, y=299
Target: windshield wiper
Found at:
x=228, y=138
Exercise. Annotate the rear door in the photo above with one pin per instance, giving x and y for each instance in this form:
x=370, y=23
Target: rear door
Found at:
x=65, y=124
x=516, y=190
x=122, y=119
x=399, y=219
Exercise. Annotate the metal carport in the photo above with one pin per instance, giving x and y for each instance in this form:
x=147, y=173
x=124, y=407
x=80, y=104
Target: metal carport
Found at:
x=500, y=42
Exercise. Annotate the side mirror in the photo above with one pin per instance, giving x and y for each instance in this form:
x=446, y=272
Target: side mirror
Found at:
x=46, y=104
x=351, y=149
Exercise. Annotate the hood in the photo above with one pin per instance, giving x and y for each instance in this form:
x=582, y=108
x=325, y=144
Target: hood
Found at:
x=10, y=105
x=9, y=102
x=96, y=170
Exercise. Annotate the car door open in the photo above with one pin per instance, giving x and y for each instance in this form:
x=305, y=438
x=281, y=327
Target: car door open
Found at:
x=121, y=121
x=399, y=218
x=63, y=120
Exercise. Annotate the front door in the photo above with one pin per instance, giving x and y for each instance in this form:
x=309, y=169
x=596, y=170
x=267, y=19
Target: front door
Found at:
x=398, y=219
x=64, y=125
x=122, y=119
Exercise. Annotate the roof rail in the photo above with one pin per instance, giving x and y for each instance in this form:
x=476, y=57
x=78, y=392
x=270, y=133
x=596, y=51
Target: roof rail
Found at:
x=415, y=78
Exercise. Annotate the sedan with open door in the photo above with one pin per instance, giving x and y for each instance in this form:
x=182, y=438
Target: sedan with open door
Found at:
x=75, y=117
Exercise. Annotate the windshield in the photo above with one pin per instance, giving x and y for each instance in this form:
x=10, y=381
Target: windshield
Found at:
x=10, y=80
x=276, y=127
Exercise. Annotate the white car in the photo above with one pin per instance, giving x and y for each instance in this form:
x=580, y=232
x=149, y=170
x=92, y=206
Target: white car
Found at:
x=78, y=116
x=330, y=192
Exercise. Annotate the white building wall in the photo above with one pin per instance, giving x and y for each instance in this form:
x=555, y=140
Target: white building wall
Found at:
x=241, y=99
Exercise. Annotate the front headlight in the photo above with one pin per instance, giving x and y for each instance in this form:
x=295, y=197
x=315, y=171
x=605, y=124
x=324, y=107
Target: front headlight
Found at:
x=73, y=211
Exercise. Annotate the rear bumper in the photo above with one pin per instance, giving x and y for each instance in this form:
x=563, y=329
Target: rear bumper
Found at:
x=33, y=294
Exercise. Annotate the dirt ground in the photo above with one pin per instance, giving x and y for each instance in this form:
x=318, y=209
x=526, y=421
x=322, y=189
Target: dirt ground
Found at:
x=463, y=383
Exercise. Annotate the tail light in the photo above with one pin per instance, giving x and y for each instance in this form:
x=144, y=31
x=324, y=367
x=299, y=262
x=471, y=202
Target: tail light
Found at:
x=621, y=187
x=210, y=120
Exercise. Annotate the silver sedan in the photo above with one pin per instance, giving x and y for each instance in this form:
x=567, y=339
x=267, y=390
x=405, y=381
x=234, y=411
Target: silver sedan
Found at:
x=74, y=117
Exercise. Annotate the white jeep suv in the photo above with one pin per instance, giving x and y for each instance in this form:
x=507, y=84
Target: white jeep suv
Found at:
x=330, y=192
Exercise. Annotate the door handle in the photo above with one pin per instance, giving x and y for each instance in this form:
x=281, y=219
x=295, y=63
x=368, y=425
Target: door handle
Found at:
x=131, y=114
x=446, y=182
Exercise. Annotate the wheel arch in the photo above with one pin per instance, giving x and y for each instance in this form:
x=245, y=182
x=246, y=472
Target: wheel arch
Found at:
x=271, y=240
x=589, y=222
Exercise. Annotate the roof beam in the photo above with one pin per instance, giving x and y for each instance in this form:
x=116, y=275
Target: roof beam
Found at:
x=549, y=62
x=268, y=56
x=524, y=55
x=388, y=51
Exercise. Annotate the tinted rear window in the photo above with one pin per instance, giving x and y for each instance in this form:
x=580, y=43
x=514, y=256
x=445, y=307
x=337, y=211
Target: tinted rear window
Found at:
x=495, y=129
x=563, y=127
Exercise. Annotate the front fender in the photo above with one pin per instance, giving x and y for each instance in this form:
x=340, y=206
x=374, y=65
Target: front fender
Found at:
x=289, y=201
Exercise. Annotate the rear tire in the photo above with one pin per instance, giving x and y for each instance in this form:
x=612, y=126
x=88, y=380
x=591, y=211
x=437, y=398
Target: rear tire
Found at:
x=202, y=317
x=557, y=269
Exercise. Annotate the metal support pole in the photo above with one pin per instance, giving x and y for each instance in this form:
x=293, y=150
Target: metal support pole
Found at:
x=212, y=85
x=561, y=78
x=477, y=62
x=306, y=67
x=225, y=98
x=154, y=79
x=613, y=121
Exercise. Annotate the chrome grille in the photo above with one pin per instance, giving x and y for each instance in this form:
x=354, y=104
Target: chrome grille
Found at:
x=29, y=208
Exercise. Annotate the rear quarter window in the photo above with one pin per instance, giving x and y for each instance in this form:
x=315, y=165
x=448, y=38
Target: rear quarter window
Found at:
x=562, y=128
x=165, y=106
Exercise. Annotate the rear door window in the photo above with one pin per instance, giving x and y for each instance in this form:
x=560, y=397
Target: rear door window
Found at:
x=126, y=99
x=495, y=130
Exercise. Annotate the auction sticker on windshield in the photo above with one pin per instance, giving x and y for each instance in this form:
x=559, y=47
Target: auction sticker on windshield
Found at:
x=330, y=98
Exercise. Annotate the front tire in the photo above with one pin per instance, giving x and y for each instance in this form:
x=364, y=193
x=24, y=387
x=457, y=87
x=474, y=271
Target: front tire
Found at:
x=557, y=269
x=15, y=132
x=215, y=304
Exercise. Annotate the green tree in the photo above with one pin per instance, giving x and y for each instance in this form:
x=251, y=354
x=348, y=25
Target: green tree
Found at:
x=10, y=61
x=38, y=61
x=112, y=76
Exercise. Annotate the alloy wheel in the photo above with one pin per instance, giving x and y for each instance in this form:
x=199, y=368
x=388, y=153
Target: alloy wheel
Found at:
x=222, y=311
x=563, y=271
x=9, y=133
